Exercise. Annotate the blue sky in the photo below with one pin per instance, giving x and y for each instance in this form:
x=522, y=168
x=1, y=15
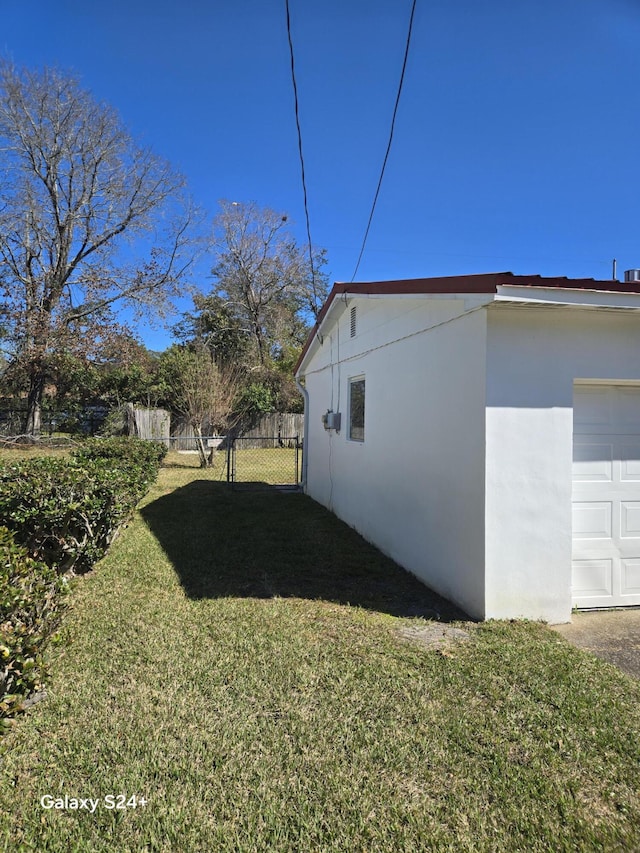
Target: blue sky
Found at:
x=516, y=145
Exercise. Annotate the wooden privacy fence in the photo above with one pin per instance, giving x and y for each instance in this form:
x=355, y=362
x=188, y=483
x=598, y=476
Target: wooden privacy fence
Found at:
x=279, y=428
x=151, y=424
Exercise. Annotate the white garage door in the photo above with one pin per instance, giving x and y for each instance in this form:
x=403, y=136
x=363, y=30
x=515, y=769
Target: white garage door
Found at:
x=606, y=496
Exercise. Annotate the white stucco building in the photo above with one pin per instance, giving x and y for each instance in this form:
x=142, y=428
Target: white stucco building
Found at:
x=489, y=435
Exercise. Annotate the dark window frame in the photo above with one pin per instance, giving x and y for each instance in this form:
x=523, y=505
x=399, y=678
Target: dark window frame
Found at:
x=357, y=396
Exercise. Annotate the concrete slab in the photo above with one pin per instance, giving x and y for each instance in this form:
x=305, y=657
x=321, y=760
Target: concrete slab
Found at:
x=613, y=635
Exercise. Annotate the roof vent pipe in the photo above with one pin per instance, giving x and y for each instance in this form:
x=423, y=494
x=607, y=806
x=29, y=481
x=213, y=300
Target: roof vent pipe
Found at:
x=631, y=275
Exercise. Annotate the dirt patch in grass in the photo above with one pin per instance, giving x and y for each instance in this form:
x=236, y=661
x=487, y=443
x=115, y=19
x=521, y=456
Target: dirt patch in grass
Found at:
x=434, y=636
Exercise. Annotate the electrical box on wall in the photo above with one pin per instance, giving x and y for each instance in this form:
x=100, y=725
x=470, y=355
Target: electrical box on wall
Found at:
x=331, y=420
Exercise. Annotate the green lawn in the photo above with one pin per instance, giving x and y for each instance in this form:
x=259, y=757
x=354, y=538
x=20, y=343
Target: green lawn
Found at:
x=237, y=660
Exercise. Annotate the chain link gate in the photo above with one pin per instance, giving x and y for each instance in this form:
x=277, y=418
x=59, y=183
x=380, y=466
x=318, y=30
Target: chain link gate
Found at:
x=264, y=462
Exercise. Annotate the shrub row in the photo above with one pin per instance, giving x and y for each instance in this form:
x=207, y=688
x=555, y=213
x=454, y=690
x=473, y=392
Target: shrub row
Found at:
x=127, y=452
x=66, y=512
x=29, y=613
x=57, y=516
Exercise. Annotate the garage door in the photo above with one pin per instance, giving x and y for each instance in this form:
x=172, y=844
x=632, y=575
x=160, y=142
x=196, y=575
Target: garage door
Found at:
x=606, y=496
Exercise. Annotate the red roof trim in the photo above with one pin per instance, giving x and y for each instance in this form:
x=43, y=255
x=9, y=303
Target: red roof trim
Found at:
x=480, y=283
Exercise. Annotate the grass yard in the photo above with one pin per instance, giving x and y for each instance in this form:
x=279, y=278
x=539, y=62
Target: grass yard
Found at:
x=26, y=451
x=239, y=661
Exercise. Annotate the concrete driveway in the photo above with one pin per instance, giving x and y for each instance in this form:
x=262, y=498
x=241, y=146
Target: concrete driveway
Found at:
x=613, y=635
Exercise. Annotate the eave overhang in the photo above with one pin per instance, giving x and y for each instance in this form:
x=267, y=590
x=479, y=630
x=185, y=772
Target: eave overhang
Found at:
x=491, y=289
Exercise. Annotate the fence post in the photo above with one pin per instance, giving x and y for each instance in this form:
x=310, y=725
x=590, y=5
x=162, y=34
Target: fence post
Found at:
x=229, y=456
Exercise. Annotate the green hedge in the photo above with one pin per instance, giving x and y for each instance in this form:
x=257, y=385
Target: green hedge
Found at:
x=30, y=594
x=57, y=516
x=66, y=512
x=126, y=451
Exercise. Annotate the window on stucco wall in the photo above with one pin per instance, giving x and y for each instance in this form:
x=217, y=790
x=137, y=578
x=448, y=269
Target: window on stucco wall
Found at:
x=356, y=408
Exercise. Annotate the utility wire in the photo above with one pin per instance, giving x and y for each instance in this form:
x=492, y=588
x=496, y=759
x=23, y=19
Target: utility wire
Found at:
x=393, y=122
x=304, y=182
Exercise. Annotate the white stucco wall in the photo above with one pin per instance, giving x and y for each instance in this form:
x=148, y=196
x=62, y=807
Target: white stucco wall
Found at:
x=534, y=356
x=415, y=487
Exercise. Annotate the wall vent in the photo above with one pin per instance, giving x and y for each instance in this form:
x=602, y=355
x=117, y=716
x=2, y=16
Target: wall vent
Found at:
x=353, y=319
x=632, y=275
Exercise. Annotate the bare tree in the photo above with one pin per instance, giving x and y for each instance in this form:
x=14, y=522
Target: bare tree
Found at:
x=199, y=390
x=263, y=274
x=74, y=188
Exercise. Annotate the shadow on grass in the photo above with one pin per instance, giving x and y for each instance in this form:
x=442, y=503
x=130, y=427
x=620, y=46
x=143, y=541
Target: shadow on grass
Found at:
x=188, y=466
x=267, y=543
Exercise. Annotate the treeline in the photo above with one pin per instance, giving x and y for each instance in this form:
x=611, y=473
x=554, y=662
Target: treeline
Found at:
x=233, y=356
x=91, y=223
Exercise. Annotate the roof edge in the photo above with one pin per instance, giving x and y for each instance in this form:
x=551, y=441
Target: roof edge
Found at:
x=475, y=283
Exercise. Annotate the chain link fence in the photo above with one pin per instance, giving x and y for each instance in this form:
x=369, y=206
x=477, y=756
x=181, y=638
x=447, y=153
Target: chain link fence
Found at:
x=261, y=462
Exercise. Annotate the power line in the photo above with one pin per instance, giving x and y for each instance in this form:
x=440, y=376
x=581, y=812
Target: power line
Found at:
x=393, y=122
x=304, y=182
